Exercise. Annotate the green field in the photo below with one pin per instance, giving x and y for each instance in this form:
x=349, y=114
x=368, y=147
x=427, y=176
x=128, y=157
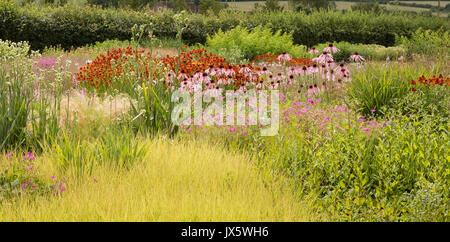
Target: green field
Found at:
x=434, y=3
x=250, y=5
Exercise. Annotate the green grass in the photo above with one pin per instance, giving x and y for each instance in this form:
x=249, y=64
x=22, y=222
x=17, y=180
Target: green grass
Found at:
x=343, y=5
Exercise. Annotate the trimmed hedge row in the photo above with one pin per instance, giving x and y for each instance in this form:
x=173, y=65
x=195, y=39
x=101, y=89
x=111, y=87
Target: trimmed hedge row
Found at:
x=69, y=27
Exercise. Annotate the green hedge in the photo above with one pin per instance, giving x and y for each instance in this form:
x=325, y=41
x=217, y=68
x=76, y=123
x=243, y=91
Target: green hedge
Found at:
x=69, y=27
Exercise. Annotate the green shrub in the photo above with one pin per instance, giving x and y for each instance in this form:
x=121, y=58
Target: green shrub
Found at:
x=258, y=41
x=426, y=101
x=66, y=27
x=397, y=172
x=434, y=43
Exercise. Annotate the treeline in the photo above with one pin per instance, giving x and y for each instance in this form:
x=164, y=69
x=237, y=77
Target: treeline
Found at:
x=72, y=26
x=445, y=8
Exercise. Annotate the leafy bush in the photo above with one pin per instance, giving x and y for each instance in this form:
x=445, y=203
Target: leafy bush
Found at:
x=427, y=100
x=435, y=43
x=258, y=41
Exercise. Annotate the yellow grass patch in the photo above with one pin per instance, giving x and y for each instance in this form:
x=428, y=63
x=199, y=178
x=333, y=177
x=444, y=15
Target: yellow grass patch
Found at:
x=176, y=182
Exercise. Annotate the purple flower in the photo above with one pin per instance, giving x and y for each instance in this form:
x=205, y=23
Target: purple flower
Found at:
x=311, y=101
x=372, y=110
x=9, y=155
x=95, y=180
x=31, y=168
x=24, y=185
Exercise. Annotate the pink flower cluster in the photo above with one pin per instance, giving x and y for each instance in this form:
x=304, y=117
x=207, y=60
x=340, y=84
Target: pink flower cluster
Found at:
x=47, y=62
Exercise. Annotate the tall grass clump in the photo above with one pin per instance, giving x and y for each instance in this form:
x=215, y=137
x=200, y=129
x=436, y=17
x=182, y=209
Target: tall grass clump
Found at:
x=376, y=86
x=16, y=98
x=117, y=148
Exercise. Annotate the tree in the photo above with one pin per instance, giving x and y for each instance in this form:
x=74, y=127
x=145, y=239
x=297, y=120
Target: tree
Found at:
x=212, y=5
x=178, y=5
x=367, y=7
x=310, y=4
x=272, y=5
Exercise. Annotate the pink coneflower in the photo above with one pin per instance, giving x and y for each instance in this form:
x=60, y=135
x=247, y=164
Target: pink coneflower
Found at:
x=294, y=71
x=260, y=84
x=182, y=75
x=313, y=69
x=372, y=110
x=291, y=79
x=210, y=69
x=233, y=129
x=325, y=57
x=303, y=70
x=273, y=85
x=9, y=155
x=356, y=58
x=313, y=51
x=24, y=185
x=229, y=71
x=95, y=180
x=221, y=81
x=221, y=70
x=244, y=69
x=284, y=57
x=331, y=49
x=169, y=77
x=280, y=77
x=214, y=72
x=185, y=84
x=204, y=78
x=310, y=90
x=265, y=71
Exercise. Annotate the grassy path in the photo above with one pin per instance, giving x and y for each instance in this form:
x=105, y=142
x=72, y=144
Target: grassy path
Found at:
x=176, y=182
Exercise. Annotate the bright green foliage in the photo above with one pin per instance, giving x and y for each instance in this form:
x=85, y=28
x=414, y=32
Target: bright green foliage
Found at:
x=397, y=172
x=260, y=40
